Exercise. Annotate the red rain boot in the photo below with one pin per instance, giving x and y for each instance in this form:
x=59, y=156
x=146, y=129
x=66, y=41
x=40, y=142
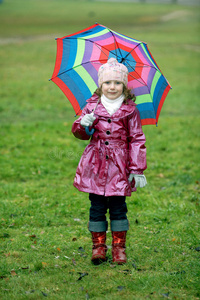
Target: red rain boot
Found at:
x=99, y=247
x=118, y=247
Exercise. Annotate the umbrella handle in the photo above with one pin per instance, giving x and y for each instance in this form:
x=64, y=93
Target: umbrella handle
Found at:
x=88, y=131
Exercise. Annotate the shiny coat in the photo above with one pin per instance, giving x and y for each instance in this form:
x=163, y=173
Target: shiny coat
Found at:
x=116, y=149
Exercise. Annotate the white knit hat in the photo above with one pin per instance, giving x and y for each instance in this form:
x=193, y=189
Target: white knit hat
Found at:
x=113, y=70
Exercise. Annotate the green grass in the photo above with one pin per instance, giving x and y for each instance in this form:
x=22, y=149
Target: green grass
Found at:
x=45, y=244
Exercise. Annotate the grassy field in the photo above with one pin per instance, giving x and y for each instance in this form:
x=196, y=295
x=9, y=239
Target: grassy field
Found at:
x=45, y=245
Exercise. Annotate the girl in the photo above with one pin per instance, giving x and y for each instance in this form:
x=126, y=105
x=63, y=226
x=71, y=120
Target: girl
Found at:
x=112, y=165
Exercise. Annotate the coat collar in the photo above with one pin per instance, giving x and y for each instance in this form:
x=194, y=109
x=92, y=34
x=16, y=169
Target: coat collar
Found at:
x=123, y=111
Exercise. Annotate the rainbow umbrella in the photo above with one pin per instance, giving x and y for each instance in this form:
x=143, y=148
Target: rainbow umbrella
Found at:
x=79, y=56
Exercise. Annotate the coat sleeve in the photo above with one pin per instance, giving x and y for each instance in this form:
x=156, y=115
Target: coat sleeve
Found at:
x=77, y=129
x=137, y=150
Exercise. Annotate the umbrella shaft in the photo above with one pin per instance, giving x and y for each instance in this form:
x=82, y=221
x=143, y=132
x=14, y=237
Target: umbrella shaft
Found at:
x=96, y=105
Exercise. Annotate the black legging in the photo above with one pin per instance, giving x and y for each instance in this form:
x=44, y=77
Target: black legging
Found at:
x=100, y=204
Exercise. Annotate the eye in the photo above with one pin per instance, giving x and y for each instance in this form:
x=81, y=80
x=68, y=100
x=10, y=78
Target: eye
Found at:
x=118, y=82
x=107, y=82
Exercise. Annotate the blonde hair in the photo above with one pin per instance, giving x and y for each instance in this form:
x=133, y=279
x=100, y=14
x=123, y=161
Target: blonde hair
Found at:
x=127, y=93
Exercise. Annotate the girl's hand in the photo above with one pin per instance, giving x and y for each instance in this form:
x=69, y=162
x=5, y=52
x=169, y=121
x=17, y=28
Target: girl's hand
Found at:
x=88, y=120
x=140, y=180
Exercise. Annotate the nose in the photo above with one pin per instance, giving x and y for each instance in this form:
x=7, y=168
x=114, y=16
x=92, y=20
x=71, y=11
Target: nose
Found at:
x=112, y=85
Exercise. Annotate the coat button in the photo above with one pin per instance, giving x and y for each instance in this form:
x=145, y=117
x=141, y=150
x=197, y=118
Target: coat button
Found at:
x=106, y=143
x=108, y=132
x=109, y=121
x=107, y=157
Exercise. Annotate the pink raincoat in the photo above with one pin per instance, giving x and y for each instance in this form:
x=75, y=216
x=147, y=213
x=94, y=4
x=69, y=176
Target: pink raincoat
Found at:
x=116, y=149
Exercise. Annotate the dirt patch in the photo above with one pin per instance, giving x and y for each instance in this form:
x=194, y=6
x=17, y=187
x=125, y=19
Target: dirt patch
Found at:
x=195, y=48
x=22, y=39
x=175, y=15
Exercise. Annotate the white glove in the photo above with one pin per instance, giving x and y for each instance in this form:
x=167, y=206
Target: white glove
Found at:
x=88, y=120
x=140, y=180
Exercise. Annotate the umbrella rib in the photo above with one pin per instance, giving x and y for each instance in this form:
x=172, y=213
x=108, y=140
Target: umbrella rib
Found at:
x=132, y=50
x=115, y=43
x=151, y=66
x=87, y=62
x=141, y=82
x=145, y=84
x=99, y=46
x=137, y=74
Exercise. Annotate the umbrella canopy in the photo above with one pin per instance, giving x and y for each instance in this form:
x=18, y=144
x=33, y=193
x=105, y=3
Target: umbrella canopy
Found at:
x=79, y=56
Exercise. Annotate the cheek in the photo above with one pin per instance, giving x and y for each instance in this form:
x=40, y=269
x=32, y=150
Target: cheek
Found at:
x=121, y=89
x=104, y=90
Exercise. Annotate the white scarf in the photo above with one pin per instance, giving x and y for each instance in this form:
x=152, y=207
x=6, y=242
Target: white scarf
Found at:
x=112, y=105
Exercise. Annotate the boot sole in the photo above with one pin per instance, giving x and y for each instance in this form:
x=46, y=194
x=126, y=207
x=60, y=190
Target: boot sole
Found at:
x=119, y=262
x=98, y=261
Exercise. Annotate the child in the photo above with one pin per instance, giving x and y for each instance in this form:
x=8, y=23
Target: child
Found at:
x=112, y=165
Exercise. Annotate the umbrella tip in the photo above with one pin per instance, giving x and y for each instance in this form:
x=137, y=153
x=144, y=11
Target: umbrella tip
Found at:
x=50, y=79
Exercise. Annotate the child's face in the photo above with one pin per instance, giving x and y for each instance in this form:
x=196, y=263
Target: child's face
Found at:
x=112, y=89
